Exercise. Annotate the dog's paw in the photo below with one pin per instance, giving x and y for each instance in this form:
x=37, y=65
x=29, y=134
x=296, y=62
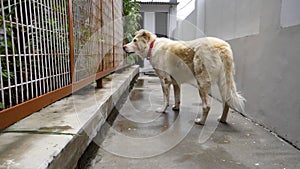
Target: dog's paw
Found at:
x=175, y=108
x=222, y=121
x=199, y=121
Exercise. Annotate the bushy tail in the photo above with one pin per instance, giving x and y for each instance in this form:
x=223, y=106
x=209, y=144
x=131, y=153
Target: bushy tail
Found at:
x=228, y=90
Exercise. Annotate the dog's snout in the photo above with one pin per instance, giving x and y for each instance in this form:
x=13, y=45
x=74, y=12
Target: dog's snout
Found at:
x=124, y=47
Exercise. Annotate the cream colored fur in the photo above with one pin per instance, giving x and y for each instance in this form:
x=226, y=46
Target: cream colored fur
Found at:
x=210, y=60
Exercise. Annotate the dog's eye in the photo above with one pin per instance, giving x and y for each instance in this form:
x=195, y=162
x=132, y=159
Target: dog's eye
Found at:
x=134, y=40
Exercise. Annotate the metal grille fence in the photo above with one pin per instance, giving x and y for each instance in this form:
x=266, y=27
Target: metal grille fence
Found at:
x=34, y=49
x=48, y=47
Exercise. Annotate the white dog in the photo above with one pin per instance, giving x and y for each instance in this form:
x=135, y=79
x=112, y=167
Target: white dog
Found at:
x=209, y=60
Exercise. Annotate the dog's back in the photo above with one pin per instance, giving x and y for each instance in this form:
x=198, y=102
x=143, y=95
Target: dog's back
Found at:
x=214, y=56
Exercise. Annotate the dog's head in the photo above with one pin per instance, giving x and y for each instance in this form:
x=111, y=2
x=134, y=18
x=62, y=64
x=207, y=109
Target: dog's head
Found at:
x=140, y=43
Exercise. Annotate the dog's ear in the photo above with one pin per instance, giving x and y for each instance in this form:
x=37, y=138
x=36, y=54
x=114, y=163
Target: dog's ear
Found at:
x=139, y=32
x=147, y=35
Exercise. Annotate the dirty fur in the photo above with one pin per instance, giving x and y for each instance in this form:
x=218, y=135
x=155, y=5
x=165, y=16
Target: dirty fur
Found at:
x=210, y=61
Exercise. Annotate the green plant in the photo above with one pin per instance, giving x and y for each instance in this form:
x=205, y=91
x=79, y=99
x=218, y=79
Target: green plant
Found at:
x=7, y=47
x=131, y=59
x=132, y=16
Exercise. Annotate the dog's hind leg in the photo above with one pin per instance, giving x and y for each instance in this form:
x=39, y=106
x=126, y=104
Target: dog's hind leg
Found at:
x=176, y=88
x=205, y=106
x=204, y=88
x=223, y=92
x=223, y=118
x=165, y=84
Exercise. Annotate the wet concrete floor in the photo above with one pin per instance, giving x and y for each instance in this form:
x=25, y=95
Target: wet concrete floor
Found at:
x=140, y=138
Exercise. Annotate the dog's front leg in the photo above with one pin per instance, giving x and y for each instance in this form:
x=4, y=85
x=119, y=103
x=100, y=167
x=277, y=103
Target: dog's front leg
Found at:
x=165, y=84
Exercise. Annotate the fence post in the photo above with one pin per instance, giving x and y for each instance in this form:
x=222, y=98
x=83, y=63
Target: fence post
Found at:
x=113, y=24
x=71, y=38
x=99, y=83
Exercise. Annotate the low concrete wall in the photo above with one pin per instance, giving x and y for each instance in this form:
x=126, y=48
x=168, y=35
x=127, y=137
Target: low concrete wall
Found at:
x=82, y=114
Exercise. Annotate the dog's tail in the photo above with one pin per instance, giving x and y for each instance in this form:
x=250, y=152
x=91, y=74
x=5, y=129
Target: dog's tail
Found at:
x=227, y=84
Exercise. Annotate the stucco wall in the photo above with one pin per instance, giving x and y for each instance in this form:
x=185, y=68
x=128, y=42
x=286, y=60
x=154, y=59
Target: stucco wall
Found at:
x=267, y=59
x=268, y=73
x=192, y=25
x=236, y=19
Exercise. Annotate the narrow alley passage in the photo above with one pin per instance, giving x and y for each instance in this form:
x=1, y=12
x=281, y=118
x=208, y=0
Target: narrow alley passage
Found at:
x=140, y=138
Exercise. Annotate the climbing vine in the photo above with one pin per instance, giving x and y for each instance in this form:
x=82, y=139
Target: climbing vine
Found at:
x=132, y=16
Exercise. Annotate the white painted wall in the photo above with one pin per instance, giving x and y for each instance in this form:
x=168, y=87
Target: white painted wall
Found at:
x=219, y=18
x=268, y=72
x=172, y=21
x=266, y=51
x=290, y=13
x=200, y=21
x=234, y=19
x=187, y=20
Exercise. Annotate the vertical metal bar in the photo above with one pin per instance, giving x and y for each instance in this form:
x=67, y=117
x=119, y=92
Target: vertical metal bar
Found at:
x=45, y=47
x=6, y=56
x=57, y=46
x=20, y=54
x=71, y=41
x=62, y=42
x=38, y=46
x=113, y=25
x=55, y=41
x=31, y=52
x=25, y=53
x=62, y=32
x=58, y=53
x=99, y=35
x=36, y=51
x=48, y=35
x=1, y=85
x=14, y=58
x=53, y=49
x=1, y=75
x=66, y=44
x=61, y=55
x=45, y=52
x=60, y=23
x=102, y=41
x=41, y=49
x=50, y=54
x=62, y=46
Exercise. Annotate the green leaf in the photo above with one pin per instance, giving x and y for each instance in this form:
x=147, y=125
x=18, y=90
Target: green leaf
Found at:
x=132, y=16
x=131, y=59
x=129, y=37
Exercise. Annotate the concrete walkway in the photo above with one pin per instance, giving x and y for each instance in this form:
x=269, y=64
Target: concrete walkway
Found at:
x=141, y=138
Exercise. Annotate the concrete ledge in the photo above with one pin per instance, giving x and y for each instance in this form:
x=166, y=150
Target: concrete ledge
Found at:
x=81, y=114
